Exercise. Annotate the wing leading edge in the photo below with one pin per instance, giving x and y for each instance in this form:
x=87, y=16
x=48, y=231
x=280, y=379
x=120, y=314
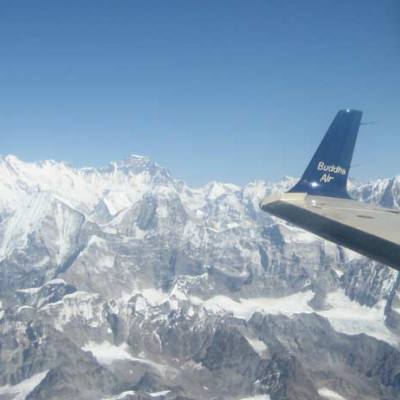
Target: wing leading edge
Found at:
x=319, y=202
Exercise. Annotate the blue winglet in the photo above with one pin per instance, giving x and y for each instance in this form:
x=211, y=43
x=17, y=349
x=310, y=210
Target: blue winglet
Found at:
x=328, y=171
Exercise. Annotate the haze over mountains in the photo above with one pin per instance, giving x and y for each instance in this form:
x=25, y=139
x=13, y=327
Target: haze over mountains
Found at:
x=125, y=283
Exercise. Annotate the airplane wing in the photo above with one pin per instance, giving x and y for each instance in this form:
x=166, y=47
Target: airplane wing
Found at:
x=320, y=203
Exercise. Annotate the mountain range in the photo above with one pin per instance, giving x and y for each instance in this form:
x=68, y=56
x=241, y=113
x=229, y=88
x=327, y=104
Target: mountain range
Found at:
x=124, y=283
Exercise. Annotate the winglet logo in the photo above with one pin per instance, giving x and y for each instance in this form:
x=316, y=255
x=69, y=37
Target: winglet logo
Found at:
x=328, y=170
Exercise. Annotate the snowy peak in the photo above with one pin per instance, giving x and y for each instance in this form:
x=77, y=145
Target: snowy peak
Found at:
x=118, y=185
x=134, y=164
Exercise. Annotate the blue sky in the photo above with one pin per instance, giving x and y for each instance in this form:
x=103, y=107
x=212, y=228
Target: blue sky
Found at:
x=212, y=90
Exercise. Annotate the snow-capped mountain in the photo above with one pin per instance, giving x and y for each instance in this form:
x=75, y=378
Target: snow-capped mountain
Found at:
x=125, y=283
